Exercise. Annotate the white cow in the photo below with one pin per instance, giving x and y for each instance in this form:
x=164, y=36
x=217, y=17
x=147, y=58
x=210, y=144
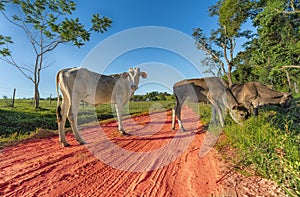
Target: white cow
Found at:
x=80, y=84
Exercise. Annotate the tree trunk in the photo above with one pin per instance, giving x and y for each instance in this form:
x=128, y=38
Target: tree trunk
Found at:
x=229, y=79
x=36, y=96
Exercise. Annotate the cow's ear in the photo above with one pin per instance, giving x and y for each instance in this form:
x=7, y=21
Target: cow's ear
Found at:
x=143, y=74
x=125, y=75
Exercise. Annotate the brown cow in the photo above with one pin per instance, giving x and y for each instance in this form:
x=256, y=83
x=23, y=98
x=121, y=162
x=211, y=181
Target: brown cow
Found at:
x=254, y=95
x=213, y=90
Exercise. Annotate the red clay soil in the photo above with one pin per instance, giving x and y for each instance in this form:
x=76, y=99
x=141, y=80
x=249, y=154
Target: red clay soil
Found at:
x=41, y=167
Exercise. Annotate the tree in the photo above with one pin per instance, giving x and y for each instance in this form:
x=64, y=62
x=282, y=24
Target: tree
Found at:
x=244, y=70
x=278, y=40
x=276, y=49
x=221, y=44
x=47, y=24
x=152, y=96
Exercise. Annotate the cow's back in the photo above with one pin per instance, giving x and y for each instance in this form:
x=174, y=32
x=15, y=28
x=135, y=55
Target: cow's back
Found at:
x=201, y=89
x=257, y=94
x=194, y=90
x=245, y=93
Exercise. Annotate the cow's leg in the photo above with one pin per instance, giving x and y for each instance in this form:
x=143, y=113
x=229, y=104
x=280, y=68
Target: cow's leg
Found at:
x=220, y=114
x=255, y=111
x=119, y=110
x=221, y=118
x=177, y=110
x=61, y=123
x=213, y=120
x=177, y=113
x=173, y=118
x=254, y=108
x=72, y=116
x=174, y=114
x=216, y=107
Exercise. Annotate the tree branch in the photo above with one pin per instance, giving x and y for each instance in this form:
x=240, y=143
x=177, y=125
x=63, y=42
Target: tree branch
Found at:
x=11, y=21
x=211, y=53
x=290, y=66
x=20, y=68
x=51, y=46
x=225, y=56
x=287, y=12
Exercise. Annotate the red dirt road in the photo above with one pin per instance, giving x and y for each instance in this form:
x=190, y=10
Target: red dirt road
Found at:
x=41, y=167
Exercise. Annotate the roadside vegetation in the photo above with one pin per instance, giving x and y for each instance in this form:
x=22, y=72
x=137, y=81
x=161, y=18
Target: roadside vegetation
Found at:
x=268, y=146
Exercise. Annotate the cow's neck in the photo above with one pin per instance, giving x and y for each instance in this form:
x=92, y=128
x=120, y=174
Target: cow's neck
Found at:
x=229, y=100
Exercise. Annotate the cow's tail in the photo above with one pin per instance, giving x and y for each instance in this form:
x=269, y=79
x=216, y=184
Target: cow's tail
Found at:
x=58, y=109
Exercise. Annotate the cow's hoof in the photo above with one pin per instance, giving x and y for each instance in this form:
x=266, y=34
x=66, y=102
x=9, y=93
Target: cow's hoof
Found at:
x=123, y=132
x=82, y=142
x=183, y=130
x=65, y=144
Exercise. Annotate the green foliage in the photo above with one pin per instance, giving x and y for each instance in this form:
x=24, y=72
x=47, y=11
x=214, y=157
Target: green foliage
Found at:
x=275, y=45
x=278, y=34
x=233, y=13
x=4, y=40
x=153, y=96
x=245, y=72
x=50, y=19
x=269, y=146
x=220, y=46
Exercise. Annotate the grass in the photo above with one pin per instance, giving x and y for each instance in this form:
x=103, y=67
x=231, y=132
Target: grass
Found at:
x=23, y=120
x=269, y=146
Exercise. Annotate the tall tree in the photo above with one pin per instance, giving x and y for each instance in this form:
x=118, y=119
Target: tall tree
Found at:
x=47, y=24
x=276, y=49
x=221, y=44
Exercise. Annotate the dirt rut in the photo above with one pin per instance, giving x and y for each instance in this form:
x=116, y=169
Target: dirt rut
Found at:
x=43, y=168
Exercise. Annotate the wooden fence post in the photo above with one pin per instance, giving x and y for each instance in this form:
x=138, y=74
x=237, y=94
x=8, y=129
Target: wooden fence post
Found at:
x=13, y=99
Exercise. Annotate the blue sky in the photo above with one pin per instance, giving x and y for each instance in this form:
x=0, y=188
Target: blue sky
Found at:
x=181, y=16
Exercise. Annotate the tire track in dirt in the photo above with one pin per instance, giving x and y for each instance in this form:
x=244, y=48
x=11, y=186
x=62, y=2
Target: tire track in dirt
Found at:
x=43, y=168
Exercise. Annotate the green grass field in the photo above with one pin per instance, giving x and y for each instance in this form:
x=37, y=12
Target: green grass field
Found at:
x=23, y=119
x=267, y=145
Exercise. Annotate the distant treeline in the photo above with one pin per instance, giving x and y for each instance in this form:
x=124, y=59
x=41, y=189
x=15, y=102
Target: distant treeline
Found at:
x=149, y=96
x=153, y=96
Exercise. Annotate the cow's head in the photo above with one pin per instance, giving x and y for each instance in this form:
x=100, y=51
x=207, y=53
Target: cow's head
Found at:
x=239, y=113
x=286, y=99
x=133, y=76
